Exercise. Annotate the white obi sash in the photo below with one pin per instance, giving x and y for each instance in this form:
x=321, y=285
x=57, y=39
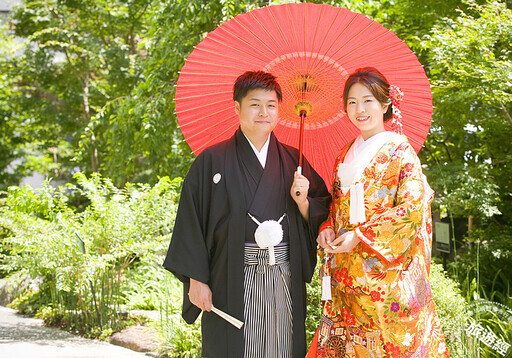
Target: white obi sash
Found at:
x=350, y=172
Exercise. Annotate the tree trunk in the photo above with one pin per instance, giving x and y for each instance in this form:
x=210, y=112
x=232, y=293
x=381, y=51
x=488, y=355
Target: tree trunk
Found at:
x=470, y=226
x=87, y=117
x=470, y=231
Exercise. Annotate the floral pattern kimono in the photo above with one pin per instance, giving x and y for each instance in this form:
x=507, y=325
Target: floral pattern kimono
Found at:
x=381, y=302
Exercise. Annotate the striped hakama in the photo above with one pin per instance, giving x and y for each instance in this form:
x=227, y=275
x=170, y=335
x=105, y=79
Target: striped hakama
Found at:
x=268, y=304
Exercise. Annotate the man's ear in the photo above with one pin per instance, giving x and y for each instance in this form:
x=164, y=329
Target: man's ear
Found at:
x=237, y=107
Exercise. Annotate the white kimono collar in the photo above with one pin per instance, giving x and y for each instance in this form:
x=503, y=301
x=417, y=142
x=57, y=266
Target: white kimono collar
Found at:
x=262, y=154
x=350, y=172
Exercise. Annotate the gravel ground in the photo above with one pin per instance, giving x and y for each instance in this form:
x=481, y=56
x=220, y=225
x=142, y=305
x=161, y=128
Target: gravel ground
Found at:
x=23, y=337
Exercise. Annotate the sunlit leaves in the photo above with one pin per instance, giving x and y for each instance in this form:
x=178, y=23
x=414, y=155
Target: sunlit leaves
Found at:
x=471, y=71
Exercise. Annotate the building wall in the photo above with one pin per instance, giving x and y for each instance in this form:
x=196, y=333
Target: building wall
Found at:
x=7, y=5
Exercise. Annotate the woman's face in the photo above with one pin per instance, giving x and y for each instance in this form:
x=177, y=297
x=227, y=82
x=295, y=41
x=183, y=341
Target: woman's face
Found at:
x=365, y=111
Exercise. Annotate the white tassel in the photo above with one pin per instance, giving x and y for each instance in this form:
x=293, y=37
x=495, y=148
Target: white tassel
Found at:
x=357, y=211
x=268, y=234
x=271, y=256
x=353, y=203
x=326, y=288
x=361, y=215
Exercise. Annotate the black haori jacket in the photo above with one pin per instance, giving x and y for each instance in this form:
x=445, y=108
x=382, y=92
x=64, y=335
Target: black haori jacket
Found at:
x=209, y=235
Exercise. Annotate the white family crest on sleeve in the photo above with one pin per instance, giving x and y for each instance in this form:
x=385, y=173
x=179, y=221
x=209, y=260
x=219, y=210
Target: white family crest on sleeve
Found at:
x=216, y=178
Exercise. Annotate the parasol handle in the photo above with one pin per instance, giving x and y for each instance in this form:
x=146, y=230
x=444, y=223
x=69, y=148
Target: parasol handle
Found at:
x=299, y=170
x=301, y=143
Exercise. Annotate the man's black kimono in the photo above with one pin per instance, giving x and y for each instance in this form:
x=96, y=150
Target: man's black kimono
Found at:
x=209, y=235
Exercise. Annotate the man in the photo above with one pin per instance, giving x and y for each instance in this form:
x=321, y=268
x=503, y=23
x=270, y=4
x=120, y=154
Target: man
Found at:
x=231, y=188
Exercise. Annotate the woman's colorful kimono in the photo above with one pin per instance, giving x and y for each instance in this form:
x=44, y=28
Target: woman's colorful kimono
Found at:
x=381, y=298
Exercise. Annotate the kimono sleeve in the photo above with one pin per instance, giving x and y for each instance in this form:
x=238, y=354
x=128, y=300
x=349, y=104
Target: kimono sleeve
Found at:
x=330, y=222
x=390, y=233
x=187, y=256
x=319, y=199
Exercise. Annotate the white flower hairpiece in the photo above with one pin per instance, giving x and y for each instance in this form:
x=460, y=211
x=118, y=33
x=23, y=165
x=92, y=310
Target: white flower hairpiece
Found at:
x=396, y=95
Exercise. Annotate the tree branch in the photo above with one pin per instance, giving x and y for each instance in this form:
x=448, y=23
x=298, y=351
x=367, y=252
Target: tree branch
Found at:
x=36, y=90
x=505, y=112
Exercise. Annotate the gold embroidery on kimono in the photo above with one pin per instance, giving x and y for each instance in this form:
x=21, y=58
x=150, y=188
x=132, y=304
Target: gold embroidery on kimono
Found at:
x=381, y=297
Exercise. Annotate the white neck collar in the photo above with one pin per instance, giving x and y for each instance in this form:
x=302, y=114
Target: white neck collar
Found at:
x=262, y=154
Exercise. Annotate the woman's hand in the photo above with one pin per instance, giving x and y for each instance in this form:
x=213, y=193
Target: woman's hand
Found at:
x=325, y=238
x=344, y=243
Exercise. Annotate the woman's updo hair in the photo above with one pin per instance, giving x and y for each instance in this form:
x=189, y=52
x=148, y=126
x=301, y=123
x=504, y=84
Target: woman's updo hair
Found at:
x=375, y=81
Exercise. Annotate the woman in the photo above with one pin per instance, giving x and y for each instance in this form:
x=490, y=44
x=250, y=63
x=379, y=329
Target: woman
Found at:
x=375, y=248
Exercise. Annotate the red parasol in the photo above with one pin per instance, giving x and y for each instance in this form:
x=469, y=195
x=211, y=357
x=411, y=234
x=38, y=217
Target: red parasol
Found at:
x=311, y=49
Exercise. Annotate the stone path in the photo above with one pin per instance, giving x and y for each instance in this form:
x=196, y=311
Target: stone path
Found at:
x=23, y=337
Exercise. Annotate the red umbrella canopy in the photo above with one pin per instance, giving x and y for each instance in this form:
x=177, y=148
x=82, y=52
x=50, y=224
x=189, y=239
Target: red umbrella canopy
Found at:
x=311, y=49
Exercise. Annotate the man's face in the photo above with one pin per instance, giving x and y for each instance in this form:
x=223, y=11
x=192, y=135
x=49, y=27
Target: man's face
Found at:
x=258, y=112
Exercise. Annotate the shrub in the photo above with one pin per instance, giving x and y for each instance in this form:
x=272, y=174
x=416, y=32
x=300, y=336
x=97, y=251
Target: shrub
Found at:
x=83, y=257
x=177, y=338
x=451, y=309
x=153, y=287
x=313, y=306
x=95, y=259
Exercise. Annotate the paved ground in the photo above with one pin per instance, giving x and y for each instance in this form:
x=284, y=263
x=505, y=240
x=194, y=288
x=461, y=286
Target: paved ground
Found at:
x=23, y=337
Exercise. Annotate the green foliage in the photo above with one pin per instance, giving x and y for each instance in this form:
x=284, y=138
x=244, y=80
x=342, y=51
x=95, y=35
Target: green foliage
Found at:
x=151, y=287
x=489, y=330
x=10, y=132
x=99, y=260
x=313, y=306
x=147, y=286
x=70, y=66
x=484, y=269
x=28, y=303
x=501, y=328
x=451, y=309
x=473, y=53
x=468, y=151
x=471, y=70
x=92, y=85
x=177, y=338
x=83, y=257
x=143, y=140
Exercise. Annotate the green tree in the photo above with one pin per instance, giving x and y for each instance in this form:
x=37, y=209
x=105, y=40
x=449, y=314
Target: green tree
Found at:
x=11, y=131
x=471, y=73
x=143, y=140
x=469, y=149
x=95, y=82
x=78, y=56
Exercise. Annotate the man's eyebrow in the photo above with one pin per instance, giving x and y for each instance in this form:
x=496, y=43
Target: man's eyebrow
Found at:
x=259, y=99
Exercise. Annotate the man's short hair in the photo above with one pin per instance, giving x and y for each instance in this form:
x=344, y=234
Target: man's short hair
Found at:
x=255, y=79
